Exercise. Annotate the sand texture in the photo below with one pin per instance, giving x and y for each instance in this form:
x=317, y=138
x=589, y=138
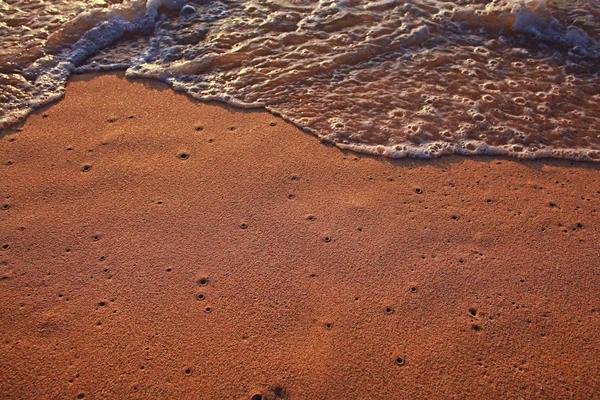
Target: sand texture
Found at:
x=152, y=247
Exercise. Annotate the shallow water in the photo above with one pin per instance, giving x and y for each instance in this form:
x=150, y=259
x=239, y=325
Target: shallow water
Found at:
x=399, y=78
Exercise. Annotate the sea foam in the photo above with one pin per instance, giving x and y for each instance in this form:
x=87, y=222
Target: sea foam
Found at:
x=394, y=78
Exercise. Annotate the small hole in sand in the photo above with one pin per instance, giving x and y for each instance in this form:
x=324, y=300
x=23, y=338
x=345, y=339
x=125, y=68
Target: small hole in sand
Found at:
x=203, y=282
x=80, y=396
x=5, y=246
x=86, y=168
x=455, y=217
x=142, y=367
x=99, y=323
x=294, y=178
x=96, y=237
x=208, y=309
x=400, y=361
x=232, y=128
x=328, y=326
x=273, y=123
x=159, y=202
x=311, y=217
x=184, y=156
x=473, y=311
x=111, y=120
x=389, y=310
x=169, y=269
x=102, y=304
x=244, y=226
x=257, y=397
x=199, y=128
x=476, y=327
x=413, y=289
x=291, y=196
x=188, y=371
x=69, y=148
x=418, y=191
x=200, y=297
x=131, y=117
x=327, y=239
x=5, y=206
x=9, y=163
x=211, y=140
x=552, y=204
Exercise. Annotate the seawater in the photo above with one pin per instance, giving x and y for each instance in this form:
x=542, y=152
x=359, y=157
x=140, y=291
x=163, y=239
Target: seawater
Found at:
x=418, y=78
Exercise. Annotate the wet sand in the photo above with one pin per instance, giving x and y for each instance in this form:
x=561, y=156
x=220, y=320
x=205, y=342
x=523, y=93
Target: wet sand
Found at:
x=153, y=247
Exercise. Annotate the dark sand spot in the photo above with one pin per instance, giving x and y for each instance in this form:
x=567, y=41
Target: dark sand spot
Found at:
x=183, y=156
x=86, y=168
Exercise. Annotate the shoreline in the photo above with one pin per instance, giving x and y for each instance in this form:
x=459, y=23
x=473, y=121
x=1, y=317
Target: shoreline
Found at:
x=321, y=273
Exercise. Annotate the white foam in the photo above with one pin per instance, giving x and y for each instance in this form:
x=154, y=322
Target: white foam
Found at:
x=399, y=79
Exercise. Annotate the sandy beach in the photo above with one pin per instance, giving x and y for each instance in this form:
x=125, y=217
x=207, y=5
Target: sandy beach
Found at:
x=154, y=247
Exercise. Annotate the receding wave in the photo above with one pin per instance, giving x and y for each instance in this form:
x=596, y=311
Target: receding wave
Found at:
x=397, y=78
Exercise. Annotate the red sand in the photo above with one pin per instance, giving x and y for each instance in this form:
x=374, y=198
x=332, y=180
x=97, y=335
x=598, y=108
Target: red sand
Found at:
x=481, y=274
